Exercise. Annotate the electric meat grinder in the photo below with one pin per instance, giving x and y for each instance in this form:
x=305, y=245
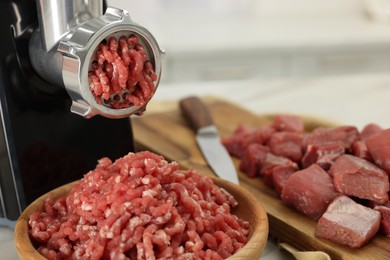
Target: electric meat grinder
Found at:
x=46, y=52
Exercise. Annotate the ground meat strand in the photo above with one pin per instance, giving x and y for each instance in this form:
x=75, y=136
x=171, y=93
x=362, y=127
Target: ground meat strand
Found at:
x=139, y=207
x=122, y=68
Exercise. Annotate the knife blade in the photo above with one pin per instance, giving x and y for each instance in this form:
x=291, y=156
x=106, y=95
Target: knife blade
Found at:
x=208, y=139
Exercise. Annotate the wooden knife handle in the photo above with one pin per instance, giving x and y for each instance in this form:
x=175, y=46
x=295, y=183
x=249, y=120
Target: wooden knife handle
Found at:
x=196, y=112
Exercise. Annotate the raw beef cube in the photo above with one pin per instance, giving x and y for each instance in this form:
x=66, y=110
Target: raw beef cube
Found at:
x=277, y=176
x=288, y=123
x=259, y=136
x=244, y=136
x=280, y=172
x=357, y=177
x=263, y=134
x=379, y=147
x=323, y=155
x=233, y=146
x=310, y=191
x=348, y=223
x=242, y=129
x=248, y=139
x=370, y=130
x=385, y=219
x=268, y=177
x=253, y=159
x=280, y=175
x=344, y=135
x=272, y=161
x=286, y=144
x=359, y=149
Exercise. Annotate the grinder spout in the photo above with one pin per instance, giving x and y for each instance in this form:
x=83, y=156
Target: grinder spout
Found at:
x=109, y=65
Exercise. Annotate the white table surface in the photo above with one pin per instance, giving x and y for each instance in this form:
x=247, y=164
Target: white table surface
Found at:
x=355, y=100
x=349, y=99
x=185, y=26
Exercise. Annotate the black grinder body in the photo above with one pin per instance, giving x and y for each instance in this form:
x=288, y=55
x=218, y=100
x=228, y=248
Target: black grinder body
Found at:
x=42, y=144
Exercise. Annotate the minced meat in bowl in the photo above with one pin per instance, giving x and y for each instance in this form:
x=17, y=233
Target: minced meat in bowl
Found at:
x=143, y=207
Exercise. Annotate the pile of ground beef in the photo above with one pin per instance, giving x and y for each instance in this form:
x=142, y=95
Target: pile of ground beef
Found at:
x=140, y=207
x=121, y=75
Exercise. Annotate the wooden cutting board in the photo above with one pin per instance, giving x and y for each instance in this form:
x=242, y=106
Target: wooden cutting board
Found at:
x=168, y=134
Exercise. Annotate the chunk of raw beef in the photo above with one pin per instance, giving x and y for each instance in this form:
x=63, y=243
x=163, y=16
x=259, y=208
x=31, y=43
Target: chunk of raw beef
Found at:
x=310, y=191
x=357, y=177
x=260, y=135
x=272, y=161
x=385, y=219
x=253, y=159
x=286, y=144
x=348, y=223
x=243, y=136
x=359, y=149
x=344, y=135
x=288, y=123
x=379, y=147
x=323, y=155
x=234, y=144
x=280, y=175
x=369, y=130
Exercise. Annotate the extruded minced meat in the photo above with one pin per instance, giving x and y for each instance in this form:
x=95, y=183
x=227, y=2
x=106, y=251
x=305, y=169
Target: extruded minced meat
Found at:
x=121, y=75
x=140, y=207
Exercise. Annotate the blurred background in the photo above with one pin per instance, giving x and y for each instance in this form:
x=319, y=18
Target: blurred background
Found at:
x=209, y=40
x=329, y=59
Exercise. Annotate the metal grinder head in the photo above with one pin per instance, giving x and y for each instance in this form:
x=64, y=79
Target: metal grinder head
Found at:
x=70, y=60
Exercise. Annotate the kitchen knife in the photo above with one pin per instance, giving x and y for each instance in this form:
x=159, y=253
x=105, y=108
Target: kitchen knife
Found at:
x=207, y=138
